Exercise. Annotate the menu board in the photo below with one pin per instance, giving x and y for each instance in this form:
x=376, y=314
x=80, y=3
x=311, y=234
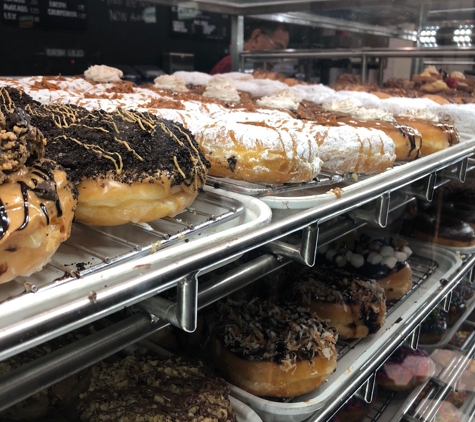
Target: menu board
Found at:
x=51, y=13
x=198, y=24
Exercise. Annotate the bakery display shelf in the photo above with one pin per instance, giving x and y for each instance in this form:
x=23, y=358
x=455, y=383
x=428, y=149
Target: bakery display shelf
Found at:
x=32, y=318
x=423, y=406
x=358, y=361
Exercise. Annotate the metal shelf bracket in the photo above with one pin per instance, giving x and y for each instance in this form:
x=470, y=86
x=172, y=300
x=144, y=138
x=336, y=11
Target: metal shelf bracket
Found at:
x=304, y=253
x=183, y=313
x=460, y=172
x=426, y=192
x=378, y=215
x=412, y=339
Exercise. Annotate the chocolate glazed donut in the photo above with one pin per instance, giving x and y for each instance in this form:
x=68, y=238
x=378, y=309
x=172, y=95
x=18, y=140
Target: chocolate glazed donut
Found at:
x=353, y=305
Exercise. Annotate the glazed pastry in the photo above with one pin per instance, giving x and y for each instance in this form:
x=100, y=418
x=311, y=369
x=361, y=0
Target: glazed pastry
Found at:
x=355, y=306
x=435, y=135
x=147, y=388
x=405, y=369
x=270, y=350
x=433, y=327
x=448, y=413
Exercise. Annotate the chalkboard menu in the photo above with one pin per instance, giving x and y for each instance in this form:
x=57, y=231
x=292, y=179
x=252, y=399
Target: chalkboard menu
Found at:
x=198, y=24
x=50, y=13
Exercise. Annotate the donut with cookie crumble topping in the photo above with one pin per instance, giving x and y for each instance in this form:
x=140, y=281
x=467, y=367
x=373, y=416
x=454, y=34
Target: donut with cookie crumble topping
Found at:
x=270, y=350
x=128, y=166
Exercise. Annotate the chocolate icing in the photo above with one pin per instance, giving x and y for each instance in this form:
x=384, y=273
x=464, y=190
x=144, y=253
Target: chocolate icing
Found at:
x=261, y=331
x=332, y=285
x=124, y=145
x=445, y=227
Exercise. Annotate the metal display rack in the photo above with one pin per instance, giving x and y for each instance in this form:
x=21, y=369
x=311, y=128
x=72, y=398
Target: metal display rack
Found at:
x=137, y=281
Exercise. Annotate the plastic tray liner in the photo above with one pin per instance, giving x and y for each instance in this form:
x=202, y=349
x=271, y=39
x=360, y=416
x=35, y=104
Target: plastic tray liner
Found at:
x=429, y=265
x=214, y=216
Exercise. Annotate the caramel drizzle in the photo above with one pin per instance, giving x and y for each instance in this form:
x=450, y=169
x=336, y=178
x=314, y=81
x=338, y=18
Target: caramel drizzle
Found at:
x=6, y=99
x=118, y=164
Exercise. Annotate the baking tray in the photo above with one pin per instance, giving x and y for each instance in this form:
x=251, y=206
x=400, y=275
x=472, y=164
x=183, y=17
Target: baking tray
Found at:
x=294, y=200
x=357, y=356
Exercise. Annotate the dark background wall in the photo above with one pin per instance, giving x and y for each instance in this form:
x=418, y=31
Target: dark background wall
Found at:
x=114, y=33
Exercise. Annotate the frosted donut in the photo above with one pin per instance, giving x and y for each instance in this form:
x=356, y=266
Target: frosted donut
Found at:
x=37, y=203
x=433, y=327
x=354, y=306
x=127, y=166
x=342, y=149
x=443, y=230
x=405, y=369
x=270, y=350
x=406, y=140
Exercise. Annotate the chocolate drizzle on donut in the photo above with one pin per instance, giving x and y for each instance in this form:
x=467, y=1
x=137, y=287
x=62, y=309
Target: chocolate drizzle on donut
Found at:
x=24, y=193
x=4, y=220
x=261, y=331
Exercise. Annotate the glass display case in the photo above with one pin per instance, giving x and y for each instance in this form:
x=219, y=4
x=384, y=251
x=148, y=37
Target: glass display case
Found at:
x=136, y=281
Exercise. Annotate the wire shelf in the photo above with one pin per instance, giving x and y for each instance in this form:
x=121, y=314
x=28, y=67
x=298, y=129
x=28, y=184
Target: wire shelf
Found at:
x=91, y=248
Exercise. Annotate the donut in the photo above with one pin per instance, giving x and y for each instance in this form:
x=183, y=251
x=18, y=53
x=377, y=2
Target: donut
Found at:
x=435, y=136
x=37, y=201
x=128, y=166
x=443, y=230
x=456, y=309
x=384, y=260
x=271, y=350
x=148, y=388
x=354, y=409
x=407, y=139
x=355, y=306
x=404, y=370
x=448, y=413
x=457, y=397
x=259, y=152
x=459, y=338
x=433, y=327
